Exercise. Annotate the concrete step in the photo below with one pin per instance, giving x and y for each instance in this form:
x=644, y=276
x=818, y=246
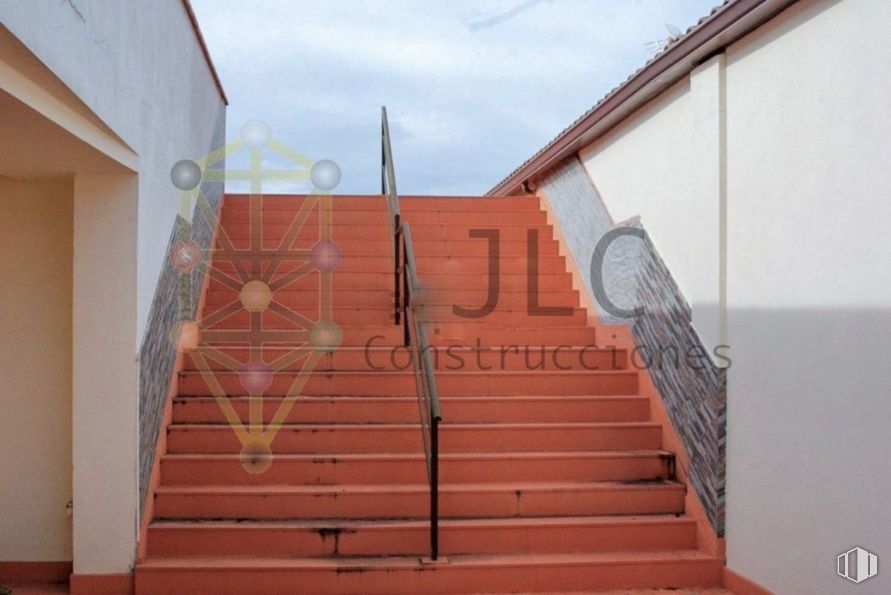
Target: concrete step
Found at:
x=482, y=219
x=326, y=438
x=280, y=317
x=508, y=383
x=383, y=263
x=382, y=244
x=377, y=409
x=402, y=468
x=270, y=227
x=677, y=569
x=309, y=298
x=378, y=202
x=471, y=358
x=485, y=500
x=457, y=332
x=384, y=281
x=346, y=537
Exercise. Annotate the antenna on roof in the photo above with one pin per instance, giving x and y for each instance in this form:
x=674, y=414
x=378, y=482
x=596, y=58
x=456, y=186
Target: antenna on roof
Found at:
x=674, y=33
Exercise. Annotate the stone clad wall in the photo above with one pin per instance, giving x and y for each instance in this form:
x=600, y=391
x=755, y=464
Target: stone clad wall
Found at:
x=692, y=388
x=157, y=354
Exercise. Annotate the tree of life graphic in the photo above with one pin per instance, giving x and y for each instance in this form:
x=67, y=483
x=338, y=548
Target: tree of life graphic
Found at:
x=251, y=333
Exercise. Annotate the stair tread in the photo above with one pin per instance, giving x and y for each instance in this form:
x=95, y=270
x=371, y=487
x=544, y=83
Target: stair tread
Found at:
x=470, y=560
x=524, y=486
x=422, y=523
x=445, y=425
x=482, y=373
x=385, y=225
x=388, y=348
x=377, y=456
x=410, y=399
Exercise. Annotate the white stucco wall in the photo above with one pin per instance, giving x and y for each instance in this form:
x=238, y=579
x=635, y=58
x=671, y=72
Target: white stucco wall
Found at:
x=140, y=68
x=809, y=296
x=35, y=365
x=662, y=164
x=794, y=186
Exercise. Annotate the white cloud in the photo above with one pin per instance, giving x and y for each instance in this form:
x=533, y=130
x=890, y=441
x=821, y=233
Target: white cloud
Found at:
x=466, y=104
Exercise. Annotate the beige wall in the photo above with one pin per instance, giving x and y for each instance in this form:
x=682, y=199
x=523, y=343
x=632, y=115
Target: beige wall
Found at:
x=35, y=368
x=104, y=373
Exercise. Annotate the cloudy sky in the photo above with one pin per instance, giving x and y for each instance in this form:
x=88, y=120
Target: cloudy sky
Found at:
x=473, y=87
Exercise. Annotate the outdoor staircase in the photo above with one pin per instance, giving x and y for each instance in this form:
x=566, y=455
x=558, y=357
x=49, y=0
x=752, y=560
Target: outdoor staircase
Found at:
x=550, y=479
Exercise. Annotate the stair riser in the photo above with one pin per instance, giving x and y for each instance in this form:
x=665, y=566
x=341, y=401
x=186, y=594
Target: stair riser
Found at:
x=380, y=316
x=461, y=334
x=407, y=204
x=325, y=471
x=369, y=439
x=436, y=579
x=469, y=219
x=312, y=232
x=439, y=282
x=378, y=410
x=383, y=298
x=423, y=247
x=449, y=383
x=470, y=359
x=429, y=265
x=415, y=540
x=474, y=504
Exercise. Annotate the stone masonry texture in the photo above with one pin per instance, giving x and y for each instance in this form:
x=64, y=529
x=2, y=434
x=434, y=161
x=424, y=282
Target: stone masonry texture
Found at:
x=157, y=353
x=691, y=387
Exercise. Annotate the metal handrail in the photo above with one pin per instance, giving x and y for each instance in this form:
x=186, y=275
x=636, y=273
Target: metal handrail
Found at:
x=406, y=285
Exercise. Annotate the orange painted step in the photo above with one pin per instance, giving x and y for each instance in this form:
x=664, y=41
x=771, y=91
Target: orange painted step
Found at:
x=383, y=245
x=344, y=537
x=486, y=500
x=380, y=280
x=402, y=468
x=442, y=334
x=272, y=319
x=352, y=231
x=453, y=437
x=506, y=383
x=383, y=263
x=469, y=358
x=300, y=299
x=194, y=410
x=482, y=219
x=676, y=569
x=408, y=203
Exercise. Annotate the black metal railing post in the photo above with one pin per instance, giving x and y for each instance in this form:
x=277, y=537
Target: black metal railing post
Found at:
x=397, y=269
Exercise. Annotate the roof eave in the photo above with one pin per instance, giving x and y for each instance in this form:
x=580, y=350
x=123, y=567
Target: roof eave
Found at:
x=727, y=24
x=197, y=29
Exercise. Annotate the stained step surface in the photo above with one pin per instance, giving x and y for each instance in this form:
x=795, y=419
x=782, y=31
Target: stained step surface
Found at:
x=499, y=573
x=356, y=501
x=553, y=476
